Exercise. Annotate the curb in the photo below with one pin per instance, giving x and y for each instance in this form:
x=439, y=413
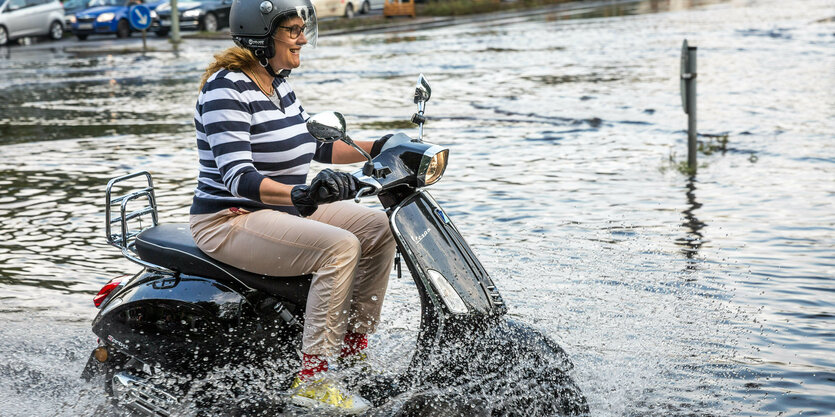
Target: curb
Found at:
x=412, y=24
x=113, y=51
x=420, y=23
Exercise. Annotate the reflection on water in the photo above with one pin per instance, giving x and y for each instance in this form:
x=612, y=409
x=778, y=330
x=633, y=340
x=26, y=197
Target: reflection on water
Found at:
x=694, y=239
x=93, y=104
x=673, y=296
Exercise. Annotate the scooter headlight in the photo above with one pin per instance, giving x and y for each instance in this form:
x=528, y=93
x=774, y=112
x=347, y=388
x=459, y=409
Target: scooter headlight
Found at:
x=451, y=298
x=432, y=166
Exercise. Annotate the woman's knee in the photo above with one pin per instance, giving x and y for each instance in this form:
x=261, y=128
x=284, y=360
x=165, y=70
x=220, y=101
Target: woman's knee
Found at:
x=384, y=239
x=347, y=246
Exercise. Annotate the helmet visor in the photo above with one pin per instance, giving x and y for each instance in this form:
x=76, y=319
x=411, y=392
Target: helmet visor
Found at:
x=311, y=25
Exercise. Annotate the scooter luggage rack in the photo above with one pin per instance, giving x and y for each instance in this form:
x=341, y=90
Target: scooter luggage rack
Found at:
x=125, y=238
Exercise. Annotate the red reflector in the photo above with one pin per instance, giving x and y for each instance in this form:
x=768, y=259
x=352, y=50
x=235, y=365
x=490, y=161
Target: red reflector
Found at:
x=106, y=290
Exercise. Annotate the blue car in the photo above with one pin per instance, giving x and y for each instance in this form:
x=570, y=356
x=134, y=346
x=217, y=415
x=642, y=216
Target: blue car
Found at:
x=106, y=17
x=71, y=7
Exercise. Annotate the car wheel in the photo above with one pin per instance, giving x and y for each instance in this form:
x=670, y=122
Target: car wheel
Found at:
x=4, y=36
x=210, y=22
x=56, y=31
x=349, y=11
x=366, y=7
x=162, y=33
x=123, y=29
x=81, y=37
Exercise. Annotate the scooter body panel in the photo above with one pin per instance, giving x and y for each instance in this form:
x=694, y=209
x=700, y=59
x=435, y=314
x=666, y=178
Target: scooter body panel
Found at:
x=173, y=320
x=432, y=242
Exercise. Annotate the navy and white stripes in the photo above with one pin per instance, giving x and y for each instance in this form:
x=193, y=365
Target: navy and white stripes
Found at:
x=243, y=137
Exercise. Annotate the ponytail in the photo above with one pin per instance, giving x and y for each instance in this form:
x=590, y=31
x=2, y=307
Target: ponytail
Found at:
x=233, y=59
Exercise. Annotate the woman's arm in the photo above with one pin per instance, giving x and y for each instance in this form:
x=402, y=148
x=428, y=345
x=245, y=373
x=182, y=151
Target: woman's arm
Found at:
x=345, y=154
x=275, y=193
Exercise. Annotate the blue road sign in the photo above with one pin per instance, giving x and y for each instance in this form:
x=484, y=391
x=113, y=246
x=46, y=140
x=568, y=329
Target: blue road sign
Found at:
x=140, y=17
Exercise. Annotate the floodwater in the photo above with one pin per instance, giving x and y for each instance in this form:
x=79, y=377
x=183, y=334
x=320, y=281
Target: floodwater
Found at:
x=673, y=295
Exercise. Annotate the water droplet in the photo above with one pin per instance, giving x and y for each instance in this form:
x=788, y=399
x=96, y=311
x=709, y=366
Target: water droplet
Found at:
x=373, y=298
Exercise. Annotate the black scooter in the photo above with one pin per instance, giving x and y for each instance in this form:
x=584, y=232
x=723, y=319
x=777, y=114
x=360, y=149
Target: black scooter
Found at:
x=164, y=332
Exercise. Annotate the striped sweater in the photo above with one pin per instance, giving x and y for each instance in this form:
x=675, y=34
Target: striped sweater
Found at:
x=243, y=137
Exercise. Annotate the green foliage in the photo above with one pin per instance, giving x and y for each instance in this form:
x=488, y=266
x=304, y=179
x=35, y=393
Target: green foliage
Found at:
x=709, y=146
x=341, y=24
x=680, y=166
x=714, y=143
x=385, y=125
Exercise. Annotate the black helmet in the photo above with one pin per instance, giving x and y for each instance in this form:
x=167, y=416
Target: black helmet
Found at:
x=252, y=23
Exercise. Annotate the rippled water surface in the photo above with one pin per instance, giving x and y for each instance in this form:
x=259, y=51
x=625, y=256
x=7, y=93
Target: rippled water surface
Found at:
x=710, y=295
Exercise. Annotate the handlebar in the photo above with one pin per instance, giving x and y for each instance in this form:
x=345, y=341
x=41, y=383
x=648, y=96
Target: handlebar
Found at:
x=323, y=193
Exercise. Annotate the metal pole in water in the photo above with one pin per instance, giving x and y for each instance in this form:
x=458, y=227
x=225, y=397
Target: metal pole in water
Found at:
x=175, y=24
x=688, y=100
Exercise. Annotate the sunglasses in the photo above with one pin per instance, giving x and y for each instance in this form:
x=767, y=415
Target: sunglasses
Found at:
x=294, y=30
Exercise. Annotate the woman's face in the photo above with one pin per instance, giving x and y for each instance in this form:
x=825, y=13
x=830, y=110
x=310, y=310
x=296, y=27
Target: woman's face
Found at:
x=287, y=49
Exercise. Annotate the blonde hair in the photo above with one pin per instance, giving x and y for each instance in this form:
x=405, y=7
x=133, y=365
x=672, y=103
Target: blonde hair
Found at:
x=233, y=59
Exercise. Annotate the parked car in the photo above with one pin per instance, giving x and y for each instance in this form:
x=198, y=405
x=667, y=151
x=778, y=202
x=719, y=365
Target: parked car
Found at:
x=206, y=15
x=106, y=17
x=71, y=7
x=346, y=8
x=369, y=5
x=20, y=18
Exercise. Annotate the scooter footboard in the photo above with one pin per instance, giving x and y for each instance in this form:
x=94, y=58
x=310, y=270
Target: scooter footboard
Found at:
x=441, y=259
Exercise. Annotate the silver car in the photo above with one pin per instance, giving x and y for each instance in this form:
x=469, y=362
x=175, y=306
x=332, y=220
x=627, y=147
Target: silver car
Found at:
x=21, y=18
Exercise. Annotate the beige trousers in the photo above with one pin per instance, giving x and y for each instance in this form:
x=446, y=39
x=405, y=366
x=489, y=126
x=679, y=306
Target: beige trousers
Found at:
x=348, y=248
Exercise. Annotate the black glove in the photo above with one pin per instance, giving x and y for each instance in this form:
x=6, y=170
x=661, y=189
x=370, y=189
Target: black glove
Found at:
x=302, y=199
x=325, y=188
x=378, y=145
x=331, y=186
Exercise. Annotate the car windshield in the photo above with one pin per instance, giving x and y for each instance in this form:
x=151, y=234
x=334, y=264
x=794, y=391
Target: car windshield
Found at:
x=74, y=4
x=95, y=3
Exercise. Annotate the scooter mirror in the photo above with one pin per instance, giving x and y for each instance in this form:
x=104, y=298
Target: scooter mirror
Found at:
x=327, y=126
x=422, y=91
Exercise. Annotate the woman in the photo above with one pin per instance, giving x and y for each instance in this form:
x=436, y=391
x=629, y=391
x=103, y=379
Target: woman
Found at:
x=252, y=210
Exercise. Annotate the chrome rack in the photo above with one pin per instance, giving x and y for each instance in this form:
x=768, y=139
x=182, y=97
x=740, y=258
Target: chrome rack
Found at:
x=125, y=237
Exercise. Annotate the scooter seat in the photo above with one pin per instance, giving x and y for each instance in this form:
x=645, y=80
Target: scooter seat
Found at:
x=171, y=246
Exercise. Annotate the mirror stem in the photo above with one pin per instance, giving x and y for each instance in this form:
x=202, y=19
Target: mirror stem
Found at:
x=347, y=139
x=420, y=119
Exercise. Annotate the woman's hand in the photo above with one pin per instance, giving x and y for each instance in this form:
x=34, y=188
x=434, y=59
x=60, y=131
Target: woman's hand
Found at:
x=332, y=186
x=303, y=201
x=378, y=144
x=327, y=187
